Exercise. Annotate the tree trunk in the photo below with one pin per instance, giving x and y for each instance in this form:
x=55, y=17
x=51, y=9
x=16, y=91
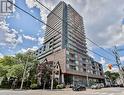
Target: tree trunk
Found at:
x=44, y=84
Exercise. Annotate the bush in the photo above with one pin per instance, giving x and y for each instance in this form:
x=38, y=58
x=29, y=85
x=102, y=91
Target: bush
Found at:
x=55, y=83
x=33, y=86
x=4, y=83
x=60, y=86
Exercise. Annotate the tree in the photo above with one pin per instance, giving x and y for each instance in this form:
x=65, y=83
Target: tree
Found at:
x=14, y=66
x=8, y=60
x=16, y=71
x=44, y=72
x=112, y=76
x=108, y=74
x=30, y=64
x=3, y=70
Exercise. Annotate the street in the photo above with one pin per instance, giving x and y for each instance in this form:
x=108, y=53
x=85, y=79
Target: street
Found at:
x=103, y=91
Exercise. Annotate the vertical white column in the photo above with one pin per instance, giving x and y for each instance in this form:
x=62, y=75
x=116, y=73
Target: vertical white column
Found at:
x=73, y=79
x=63, y=79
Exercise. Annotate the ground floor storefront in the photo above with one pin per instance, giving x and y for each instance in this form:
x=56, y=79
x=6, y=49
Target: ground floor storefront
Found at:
x=85, y=80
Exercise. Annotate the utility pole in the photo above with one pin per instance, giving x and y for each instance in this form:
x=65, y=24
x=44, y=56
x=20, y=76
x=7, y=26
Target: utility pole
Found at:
x=118, y=61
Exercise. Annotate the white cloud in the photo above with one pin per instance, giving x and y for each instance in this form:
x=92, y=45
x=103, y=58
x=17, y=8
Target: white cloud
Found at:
x=44, y=27
x=21, y=30
x=8, y=37
x=17, y=16
x=29, y=37
x=101, y=17
x=20, y=40
x=122, y=58
x=114, y=69
x=23, y=50
x=43, y=12
x=2, y=44
x=32, y=11
x=40, y=40
x=123, y=28
x=1, y=55
x=102, y=61
x=30, y=3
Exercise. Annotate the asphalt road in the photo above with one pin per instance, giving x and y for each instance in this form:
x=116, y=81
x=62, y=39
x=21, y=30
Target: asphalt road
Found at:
x=103, y=91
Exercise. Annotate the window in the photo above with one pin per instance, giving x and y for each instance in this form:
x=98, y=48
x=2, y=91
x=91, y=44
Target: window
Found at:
x=100, y=65
x=67, y=52
x=84, y=65
x=50, y=42
x=76, y=56
x=101, y=74
x=44, y=47
x=50, y=46
x=84, y=70
x=93, y=67
x=94, y=72
x=83, y=59
x=71, y=61
x=72, y=55
x=72, y=67
x=76, y=62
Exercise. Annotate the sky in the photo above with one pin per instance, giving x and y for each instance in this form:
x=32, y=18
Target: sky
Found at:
x=103, y=22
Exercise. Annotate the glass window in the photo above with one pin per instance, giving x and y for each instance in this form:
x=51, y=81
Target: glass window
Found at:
x=84, y=70
x=72, y=67
x=77, y=68
x=76, y=56
x=67, y=52
x=44, y=48
x=76, y=62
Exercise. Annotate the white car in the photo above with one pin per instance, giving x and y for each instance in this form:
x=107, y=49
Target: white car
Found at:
x=96, y=86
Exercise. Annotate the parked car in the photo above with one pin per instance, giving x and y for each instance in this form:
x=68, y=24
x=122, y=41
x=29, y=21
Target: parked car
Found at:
x=121, y=85
x=71, y=86
x=79, y=87
x=96, y=86
x=114, y=85
x=102, y=85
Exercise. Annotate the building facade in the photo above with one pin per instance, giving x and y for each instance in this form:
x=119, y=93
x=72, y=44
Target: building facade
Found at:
x=65, y=42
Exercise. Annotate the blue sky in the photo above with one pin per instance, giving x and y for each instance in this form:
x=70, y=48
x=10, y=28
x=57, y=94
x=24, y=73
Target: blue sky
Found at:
x=20, y=32
x=27, y=28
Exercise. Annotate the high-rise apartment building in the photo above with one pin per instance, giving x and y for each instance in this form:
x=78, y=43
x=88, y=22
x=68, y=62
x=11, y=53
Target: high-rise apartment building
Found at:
x=65, y=43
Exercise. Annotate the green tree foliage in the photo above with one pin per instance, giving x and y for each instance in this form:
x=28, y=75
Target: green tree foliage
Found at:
x=44, y=72
x=112, y=75
x=13, y=66
x=16, y=71
x=8, y=60
x=3, y=70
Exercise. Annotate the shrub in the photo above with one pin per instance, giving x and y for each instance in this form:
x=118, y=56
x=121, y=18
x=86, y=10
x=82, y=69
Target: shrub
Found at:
x=33, y=86
x=55, y=83
x=4, y=83
x=60, y=86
